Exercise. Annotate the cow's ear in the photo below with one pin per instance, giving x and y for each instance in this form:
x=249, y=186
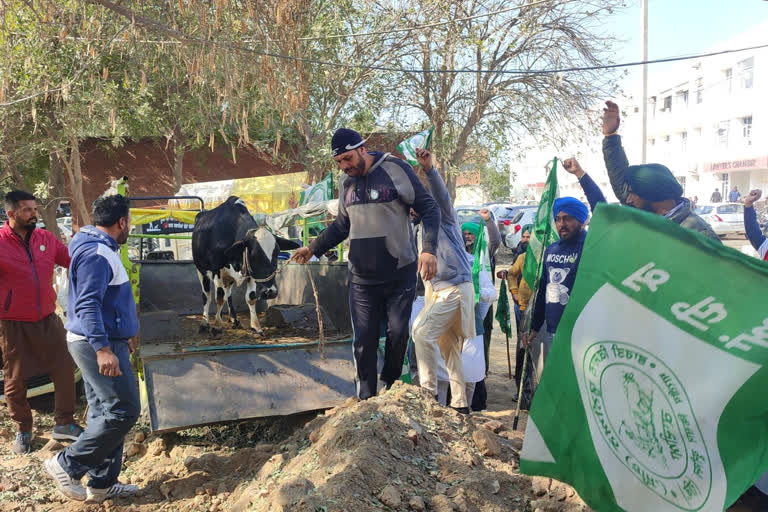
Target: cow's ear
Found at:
x=286, y=245
x=235, y=251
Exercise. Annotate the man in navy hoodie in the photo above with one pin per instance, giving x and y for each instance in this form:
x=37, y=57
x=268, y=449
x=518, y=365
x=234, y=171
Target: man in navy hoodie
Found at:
x=375, y=199
x=561, y=260
x=101, y=324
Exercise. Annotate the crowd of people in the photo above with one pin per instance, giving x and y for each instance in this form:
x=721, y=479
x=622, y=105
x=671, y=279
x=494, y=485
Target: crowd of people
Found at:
x=415, y=273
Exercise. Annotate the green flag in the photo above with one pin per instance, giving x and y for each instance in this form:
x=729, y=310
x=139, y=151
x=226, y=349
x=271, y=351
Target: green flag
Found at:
x=319, y=192
x=503, y=314
x=653, y=396
x=544, y=233
x=409, y=146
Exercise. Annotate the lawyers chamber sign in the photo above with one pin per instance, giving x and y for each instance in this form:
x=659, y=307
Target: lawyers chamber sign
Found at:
x=746, y=164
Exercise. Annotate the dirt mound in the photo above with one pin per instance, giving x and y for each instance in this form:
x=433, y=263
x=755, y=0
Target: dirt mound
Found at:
x=398, y=451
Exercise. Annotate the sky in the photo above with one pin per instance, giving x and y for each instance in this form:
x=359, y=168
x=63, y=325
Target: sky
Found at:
x=680, y=27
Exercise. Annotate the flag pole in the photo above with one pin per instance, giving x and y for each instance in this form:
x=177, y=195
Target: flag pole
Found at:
x=509, y=361
x=520, y=390
x=531, y=306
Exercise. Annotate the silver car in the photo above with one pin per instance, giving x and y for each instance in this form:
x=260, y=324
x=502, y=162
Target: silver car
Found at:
x=724, y=218
x=525, y=215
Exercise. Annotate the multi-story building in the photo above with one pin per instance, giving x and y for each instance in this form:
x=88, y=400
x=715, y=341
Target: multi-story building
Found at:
x=708, y=119
x=707, y=122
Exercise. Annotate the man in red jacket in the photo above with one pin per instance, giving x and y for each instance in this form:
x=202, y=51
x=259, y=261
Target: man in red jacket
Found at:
x=32, y=337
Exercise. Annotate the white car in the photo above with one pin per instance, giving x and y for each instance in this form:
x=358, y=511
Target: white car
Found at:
x=724, y=218
x=525, y=215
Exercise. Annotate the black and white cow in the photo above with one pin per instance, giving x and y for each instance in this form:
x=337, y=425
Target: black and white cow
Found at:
x=228, y=248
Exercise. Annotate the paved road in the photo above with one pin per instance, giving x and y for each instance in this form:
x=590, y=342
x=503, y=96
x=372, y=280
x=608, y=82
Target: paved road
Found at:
x=738, y=243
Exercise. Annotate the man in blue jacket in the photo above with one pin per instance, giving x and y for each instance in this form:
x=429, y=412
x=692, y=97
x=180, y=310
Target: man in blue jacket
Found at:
x=101, y=324
x=448, y=318
x=752, y=226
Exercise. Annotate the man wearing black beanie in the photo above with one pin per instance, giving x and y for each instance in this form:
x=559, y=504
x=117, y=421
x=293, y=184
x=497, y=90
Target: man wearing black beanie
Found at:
x=375, y=199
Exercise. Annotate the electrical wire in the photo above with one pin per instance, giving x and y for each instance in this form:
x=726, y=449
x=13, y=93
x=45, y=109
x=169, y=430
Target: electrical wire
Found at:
x=504, y=71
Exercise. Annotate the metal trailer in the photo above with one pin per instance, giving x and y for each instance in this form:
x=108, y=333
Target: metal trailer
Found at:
x=192, y=386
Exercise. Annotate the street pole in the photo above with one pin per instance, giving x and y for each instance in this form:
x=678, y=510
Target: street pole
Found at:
x=645, y=78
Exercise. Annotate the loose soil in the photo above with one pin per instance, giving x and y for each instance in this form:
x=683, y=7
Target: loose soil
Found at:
x=192, y=337
x=399, y=451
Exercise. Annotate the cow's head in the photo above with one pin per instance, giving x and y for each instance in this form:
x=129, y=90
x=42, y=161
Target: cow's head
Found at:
x=257, y=254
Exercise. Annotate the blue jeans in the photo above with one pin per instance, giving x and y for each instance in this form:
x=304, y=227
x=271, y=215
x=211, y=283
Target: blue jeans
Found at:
x=113, y=408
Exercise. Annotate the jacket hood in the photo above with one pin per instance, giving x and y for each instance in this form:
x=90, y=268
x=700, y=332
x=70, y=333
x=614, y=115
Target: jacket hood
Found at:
x=683, y=212
x=91, y=235
x=378, y=157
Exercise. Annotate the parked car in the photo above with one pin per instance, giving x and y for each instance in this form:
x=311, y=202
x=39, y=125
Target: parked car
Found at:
x=523, y=215
x=504, y=213
x=469, y=213
x=65, y=226
x=724, y=218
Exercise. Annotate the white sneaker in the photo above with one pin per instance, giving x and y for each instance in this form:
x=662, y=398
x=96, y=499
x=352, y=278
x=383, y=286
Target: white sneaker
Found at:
x=118, y=490
x=66, y=485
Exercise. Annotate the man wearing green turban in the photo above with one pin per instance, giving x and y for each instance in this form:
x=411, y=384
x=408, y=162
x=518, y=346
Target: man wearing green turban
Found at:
x=650, y=187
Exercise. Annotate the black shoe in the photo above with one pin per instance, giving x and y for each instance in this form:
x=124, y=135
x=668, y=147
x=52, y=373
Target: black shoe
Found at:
x=461, y=410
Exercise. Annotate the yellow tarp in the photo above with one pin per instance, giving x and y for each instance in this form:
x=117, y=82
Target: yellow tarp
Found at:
x=141, y=216
x=262, y=194
x=269, y=194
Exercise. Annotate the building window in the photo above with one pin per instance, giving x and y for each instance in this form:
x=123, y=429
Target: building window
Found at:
x=683, y=140
x=699, y=90
x=746, y=130
x=681, y=98
x=746, y=72
x=722, y=133
x=727, y=76
x=652, y=141
x=667, y=104
x=666, y=138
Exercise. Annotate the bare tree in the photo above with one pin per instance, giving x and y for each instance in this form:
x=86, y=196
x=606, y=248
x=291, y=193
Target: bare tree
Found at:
x=499, y=91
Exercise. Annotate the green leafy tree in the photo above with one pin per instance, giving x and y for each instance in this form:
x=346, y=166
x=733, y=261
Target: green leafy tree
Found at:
x=488, y=104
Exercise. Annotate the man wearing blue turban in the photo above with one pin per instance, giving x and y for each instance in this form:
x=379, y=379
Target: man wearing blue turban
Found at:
x=561, y=260
x=650, y=187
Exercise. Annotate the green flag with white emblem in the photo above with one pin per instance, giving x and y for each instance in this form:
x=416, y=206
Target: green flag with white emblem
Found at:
x=319, y=192
x=653, y=394
x=409, y=146
x=543, y=235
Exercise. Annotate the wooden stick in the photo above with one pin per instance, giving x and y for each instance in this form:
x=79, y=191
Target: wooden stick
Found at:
x=319, y=313
x=509, y=361
x=520, y=391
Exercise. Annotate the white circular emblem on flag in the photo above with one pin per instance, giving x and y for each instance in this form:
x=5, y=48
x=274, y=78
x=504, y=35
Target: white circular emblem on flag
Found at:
x=42, y=248
x=374, y=194
x=647, y=421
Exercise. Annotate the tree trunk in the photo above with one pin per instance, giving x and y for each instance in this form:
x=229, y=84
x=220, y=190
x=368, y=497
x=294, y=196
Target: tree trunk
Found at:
x=451, y=184
x=316, y=170
x=55, y=193
x=76, y=183
x=179, y=149
x=16, y=177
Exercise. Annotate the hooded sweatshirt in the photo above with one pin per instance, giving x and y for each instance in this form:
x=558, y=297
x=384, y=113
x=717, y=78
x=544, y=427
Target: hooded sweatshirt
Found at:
x=453, y=265
x=561, y=261
x=100, y=307
x=374, y=213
